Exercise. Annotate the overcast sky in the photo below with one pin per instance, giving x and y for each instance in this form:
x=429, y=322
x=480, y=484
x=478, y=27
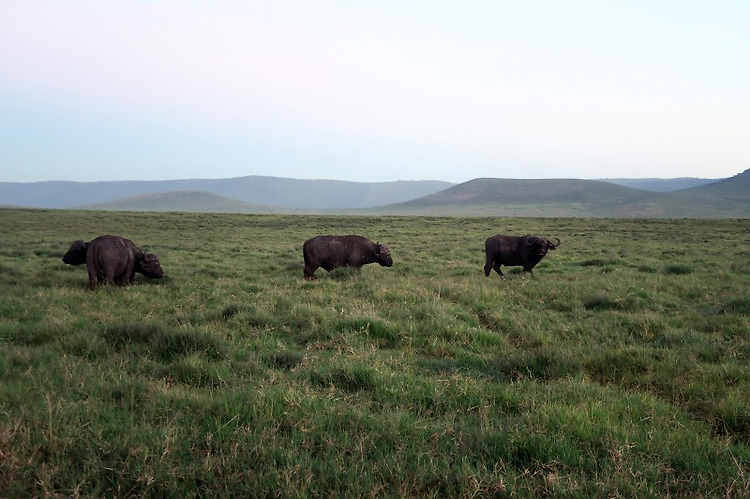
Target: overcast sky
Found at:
x=373, y=90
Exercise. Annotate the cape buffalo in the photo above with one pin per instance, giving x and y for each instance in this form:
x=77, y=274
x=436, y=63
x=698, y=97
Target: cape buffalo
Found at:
x=331, y=252
x=511, y=251
x=76, y=255
x=116, y=260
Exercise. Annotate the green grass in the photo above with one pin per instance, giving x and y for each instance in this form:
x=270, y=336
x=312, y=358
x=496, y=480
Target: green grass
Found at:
x=619, y=369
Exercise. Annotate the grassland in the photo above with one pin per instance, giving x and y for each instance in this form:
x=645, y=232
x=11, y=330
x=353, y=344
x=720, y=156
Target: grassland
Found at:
x=620, y=369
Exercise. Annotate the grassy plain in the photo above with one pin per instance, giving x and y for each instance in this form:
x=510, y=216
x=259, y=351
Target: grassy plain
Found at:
x=620, y=369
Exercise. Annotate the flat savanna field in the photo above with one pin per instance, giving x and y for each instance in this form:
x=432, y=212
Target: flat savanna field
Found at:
x=620, y=369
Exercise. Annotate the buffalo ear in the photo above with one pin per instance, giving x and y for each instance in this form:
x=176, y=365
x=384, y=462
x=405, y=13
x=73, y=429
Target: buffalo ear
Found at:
x=148, y=259
x=79, y=245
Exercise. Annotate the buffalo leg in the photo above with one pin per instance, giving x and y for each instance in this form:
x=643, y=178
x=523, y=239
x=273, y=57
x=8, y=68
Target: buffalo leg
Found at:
x=111, y=279
x=497, y=269
x=492, y=265
x=310, y=271
x=93, y=281
x=488, y=267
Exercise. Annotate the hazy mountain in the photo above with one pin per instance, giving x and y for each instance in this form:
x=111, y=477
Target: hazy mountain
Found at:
x=661, y=184
x=185, y=201
x=554, y=197
x=478, y=197
x=580, y=198
x=270, y=191
x=736, y=188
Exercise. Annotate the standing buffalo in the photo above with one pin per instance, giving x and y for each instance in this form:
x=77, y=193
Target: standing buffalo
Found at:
x=117, y=259
x=512, y=251
x=76, y=255
x=331, y=252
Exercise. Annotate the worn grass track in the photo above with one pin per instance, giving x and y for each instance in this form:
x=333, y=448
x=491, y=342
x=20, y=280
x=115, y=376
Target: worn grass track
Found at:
x=619, y=369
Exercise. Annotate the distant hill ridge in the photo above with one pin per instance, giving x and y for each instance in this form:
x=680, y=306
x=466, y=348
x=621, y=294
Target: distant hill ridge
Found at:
x=727, y=198
x=186, y=201
x=735, y=188
x=258, y=190
x=582, y=198
x=661, y=184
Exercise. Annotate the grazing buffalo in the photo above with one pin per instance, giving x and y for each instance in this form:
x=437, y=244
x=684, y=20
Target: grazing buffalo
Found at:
x=512, y=251
x=116, y=260
x=76, y=255
x=331, y=252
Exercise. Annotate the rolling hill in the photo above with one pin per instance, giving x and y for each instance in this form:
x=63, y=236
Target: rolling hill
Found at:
x=736, y=188
x=258, y=190
x=661, y=184
x=186, y=201
x=729, y=198
x=512, y=197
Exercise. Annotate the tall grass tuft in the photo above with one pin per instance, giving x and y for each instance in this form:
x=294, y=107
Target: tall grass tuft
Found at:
x=159, y=341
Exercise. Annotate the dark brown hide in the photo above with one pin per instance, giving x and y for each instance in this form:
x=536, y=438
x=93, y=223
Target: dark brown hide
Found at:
x=512, y=251
x=331, y=252
x=116, y=260
x=76, y=255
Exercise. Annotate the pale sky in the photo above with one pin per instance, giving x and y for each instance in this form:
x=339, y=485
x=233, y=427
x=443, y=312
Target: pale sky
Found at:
x=373, y=91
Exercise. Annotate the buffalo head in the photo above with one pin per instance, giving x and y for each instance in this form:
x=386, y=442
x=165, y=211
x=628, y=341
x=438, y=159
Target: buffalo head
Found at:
x=383, y=255
x=76, y=255
x=150, y=267
x=540, y=245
